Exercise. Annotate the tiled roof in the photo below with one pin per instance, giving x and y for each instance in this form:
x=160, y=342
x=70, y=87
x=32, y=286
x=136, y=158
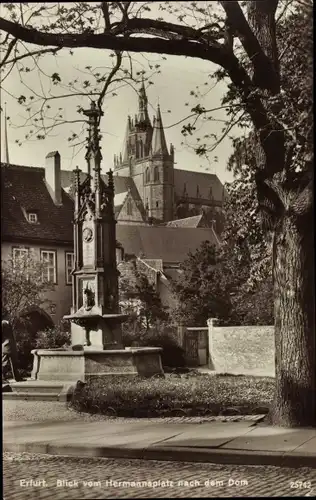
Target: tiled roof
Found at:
x=187, y=222
x=197, y=181
x=171, y=244
x=119, y=198
x=121, y=185
x=24, y=188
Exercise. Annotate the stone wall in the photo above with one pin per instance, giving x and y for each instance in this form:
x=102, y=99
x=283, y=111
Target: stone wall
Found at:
x=247, y=350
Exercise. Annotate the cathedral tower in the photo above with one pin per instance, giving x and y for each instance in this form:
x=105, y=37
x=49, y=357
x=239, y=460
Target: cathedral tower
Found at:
x=148, y=162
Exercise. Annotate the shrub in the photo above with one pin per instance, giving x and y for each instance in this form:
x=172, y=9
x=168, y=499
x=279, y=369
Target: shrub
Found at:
x=172, y=354
x=190, y=395
x=53, y=338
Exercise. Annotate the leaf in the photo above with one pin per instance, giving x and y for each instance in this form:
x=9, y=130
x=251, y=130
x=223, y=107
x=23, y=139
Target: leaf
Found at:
x=55, y=78
x=21, y=99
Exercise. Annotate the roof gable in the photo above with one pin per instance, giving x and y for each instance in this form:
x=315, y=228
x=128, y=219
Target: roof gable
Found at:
x=24, y=190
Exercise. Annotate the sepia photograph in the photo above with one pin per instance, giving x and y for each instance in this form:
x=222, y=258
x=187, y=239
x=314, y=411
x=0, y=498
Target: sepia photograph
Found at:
x=157, y=249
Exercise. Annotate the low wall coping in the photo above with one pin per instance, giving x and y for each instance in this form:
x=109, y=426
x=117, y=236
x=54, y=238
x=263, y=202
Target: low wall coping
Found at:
x=124, y=352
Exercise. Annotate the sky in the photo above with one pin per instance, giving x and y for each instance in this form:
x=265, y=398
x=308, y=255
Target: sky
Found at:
x=171, y=89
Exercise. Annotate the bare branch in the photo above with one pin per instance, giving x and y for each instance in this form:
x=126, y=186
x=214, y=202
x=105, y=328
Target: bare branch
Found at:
x=34, y=53
x=110, y=78
x=106, y=15
x=9, y=50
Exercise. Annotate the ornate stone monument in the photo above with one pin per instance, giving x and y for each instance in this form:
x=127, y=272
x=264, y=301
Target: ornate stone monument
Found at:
x=95, y=318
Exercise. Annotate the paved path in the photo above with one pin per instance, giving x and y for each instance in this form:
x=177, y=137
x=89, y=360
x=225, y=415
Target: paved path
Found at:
x=217, y=442
x=91, y=478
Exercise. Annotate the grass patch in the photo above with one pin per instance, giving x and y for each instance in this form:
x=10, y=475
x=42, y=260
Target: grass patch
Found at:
x=175, y=395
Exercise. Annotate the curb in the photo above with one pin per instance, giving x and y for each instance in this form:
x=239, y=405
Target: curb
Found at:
x=179, y=454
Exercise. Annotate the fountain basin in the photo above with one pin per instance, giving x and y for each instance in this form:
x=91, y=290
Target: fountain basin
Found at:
x=87, y=363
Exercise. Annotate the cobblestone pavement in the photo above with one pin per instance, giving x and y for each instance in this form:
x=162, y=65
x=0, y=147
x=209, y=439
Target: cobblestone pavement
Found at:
x=67, y=478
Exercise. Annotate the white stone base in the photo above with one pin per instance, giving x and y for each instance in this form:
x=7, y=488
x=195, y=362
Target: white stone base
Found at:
x=58, y=364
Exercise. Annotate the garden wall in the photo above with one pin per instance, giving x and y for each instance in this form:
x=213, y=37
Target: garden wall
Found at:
x=246, y=350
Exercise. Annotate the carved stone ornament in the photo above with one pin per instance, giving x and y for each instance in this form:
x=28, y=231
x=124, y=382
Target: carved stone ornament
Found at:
x=88, y=299
x=87, y=234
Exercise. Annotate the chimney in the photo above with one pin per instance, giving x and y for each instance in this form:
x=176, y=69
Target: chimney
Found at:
x=53, y=177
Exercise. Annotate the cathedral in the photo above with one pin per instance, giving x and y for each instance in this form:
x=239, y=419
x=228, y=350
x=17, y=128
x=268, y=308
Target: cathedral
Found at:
x=149, y=189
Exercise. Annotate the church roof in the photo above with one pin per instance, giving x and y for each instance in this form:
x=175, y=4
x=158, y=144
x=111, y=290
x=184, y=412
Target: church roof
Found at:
x=24, y=190
x=171, y=244
x=187, y=222
x=119, y=198
x=192, y=182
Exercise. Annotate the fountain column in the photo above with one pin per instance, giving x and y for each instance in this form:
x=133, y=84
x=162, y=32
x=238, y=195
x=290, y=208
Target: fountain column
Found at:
x=95, y=318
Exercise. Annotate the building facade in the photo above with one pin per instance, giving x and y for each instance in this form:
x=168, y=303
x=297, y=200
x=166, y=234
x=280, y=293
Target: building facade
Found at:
x=36, y=222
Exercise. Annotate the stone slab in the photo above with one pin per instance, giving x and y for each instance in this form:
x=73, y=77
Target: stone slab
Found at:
x=211, y=435
x=136, y=439
x=271, y=439
x=307, y=448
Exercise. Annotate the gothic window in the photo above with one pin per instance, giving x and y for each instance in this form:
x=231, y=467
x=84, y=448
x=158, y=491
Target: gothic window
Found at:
x=147, y=178
x=157, y=204
x=156, y=174
x=129, y=208
x=141, y=149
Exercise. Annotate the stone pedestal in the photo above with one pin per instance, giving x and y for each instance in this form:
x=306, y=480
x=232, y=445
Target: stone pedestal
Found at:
x=66, y=364
x=104, y=332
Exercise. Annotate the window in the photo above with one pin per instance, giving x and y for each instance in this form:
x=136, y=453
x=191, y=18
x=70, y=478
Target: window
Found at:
x=156, y=174
x=69, y=266
x=32, y=217
x=48, y=257
x=19, y=256
x=147, y=175
x=129, y=208
x=157, y=204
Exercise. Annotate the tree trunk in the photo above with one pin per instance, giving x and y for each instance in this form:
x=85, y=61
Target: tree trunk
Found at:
x=293, y=273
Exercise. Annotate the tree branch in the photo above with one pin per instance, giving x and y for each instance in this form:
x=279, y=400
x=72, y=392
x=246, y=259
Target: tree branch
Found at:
x=213, y=52
x=109, y=79
x=261, y=63
x=106, y=15
x=34, y=53
x=9, y=50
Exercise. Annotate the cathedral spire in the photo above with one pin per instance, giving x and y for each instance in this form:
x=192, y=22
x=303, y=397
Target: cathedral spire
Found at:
x=143, y=116
x=6, y=144
x=126, y=139
x=159, y=145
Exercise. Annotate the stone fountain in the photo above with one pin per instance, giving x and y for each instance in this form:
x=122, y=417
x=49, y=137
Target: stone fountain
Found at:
x=95, y=318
